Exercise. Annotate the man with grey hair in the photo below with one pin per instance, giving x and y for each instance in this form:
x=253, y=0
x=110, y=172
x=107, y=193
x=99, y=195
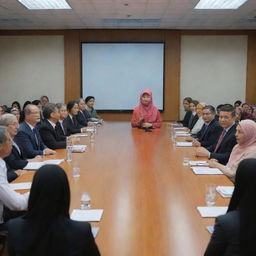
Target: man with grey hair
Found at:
x=8, y=197
x=28, y=137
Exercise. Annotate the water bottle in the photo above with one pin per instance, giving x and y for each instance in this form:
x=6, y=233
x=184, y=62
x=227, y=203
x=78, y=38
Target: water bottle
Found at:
x=69, y=149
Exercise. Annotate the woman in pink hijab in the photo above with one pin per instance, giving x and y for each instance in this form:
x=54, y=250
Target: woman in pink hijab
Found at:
x=245, y=148
x=146, y=115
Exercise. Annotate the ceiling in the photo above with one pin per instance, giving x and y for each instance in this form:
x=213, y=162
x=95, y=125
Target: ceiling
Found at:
x=134, y=14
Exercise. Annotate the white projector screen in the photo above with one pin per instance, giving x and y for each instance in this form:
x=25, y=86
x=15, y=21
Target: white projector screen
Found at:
x=116, y=73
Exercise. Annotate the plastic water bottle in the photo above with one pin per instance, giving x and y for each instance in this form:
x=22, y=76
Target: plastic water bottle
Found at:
x=69, y=149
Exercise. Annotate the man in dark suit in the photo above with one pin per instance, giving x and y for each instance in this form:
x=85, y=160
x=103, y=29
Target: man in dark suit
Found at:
x=28, y=137
x=50, y=130
x=186, y=102
x=221, y=150
x=210, y=131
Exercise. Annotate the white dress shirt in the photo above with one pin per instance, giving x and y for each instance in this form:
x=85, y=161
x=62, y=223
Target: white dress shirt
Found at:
x=198, y=125
x=8, y=197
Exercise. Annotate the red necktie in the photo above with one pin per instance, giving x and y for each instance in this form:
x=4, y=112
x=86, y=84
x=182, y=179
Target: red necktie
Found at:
x=220, y=140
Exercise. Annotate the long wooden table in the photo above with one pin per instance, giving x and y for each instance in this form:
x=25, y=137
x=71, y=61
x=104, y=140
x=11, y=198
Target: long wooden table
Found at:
x=149, y=198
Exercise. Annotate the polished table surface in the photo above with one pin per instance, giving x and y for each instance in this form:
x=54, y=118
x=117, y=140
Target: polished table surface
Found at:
x=149, y=198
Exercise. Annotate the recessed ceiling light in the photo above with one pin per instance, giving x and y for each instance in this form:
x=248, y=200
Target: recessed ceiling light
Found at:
x=45, y=4
x=219, y=4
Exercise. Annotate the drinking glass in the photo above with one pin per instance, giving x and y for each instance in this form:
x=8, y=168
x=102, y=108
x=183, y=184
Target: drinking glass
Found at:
x=210, y=194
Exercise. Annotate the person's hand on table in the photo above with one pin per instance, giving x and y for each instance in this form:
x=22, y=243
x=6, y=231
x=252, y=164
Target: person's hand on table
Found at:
x=89, y=124
x=20, y=172
x=36, y=159
x=146, y=125
x=213, y=163
x=196, y=143
x=48, y=151
x=202, y=152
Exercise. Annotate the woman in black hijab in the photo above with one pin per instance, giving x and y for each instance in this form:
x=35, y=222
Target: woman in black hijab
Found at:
x=234, y=232
x=46, y=229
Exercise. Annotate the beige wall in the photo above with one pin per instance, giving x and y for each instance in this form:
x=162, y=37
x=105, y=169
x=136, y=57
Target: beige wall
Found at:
x=31, y=66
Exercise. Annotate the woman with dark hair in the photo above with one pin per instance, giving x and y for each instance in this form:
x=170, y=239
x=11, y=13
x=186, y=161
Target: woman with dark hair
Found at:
x=46, y=229
x=92, y=113
x=237, y=103
x=71, y=122
x=16, y=104
x=234, y=232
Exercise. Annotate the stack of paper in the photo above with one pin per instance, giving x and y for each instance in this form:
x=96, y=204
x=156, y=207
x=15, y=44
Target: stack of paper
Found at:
x=184, y=144
x=225, y=191
x=90, y=129
x=212, y=211
x=78, y=148
x=21, y=185
x=206, y=170
x=37, y=165
x=81, y=135
x=86, y=215
x=198, y=163
x=182, y=134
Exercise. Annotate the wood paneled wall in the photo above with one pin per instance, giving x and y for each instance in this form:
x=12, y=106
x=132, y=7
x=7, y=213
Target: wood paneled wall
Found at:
x=171, y=38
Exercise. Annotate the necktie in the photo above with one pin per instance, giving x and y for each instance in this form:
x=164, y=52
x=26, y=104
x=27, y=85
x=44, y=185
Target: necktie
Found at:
x=220, y=140
x=36, y=139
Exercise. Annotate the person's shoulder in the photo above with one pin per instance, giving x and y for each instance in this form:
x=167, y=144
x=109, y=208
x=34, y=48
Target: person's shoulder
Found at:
x=230, y=220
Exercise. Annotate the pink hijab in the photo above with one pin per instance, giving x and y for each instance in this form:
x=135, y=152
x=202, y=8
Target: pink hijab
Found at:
x=249, y=129
x=147, y=112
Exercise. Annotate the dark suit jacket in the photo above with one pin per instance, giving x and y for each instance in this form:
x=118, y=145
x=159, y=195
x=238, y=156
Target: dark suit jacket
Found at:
x=72, y=127
x=52, y=138
x=16, y=160
x=186, y=118
x=194, y=120
x=211, y=135
x=224, y=150
x=11, y=174
x=82, y=119
x=76, y=235
x=27, y=142
x=225, y=238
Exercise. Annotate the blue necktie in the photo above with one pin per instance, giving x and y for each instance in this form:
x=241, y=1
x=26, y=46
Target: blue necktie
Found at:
x=36, y=139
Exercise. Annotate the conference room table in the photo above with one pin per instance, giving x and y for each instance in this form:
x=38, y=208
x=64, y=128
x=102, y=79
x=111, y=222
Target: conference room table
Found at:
x=149, y=198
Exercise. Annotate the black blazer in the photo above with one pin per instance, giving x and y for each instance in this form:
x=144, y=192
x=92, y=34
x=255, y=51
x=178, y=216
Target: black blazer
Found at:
x=72, y=126
x=11, y=174
x=186, y=118
x=82, y=119
x=15, y=160
x=51, y=137
x=76, y=235
x=194, y=120
x=224, y=150
x=225, y=238
x=211, y=135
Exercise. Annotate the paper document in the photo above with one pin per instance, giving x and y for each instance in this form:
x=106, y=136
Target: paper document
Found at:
x=95, y=231
x=225, y=191
x=90, y=129
x=210, y=229
x=37, y=165
x=21, y=185
x=198, y=163
x=86, y=215
x=212, y=211
x=182, y=134
x=184, y=144
x=78, y=148
x=81, y=135
x=206, y=170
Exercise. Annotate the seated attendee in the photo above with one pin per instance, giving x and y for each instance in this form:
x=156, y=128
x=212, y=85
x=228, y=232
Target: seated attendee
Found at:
x=194, y=117
x=2, y=111
x=39, y=105
x=200, y=122
x=28, y=137
x=71, y=122
x=16, y=104
x=210, y=131
x=9, y=198
x=22, y=116
x=188, y=113
x=47, y=229
x=44, y=100
x=218, y=111
x=221, y=150
x=254, y=114
x=50, y=129
x=234, y=232
x=246, y=112
x=82, y=115
x=63, y=115
x=237, y=103
x=146, y=115
x=89, y=108
x=16, y=112
x=245, y=148
x=238, y=114
x=14, y=160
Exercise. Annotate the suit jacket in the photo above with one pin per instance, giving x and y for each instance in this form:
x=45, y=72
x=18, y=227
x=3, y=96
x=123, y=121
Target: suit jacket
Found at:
x=224, y=149
x=51, y=137
x=211, y=135
x=16, y=160
x=11, y=174
x=76, y=235
x=225, y=238
x=194, y=120
x=186, y=118
x=72, y=126
x=82, y=118
x=27, y=143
